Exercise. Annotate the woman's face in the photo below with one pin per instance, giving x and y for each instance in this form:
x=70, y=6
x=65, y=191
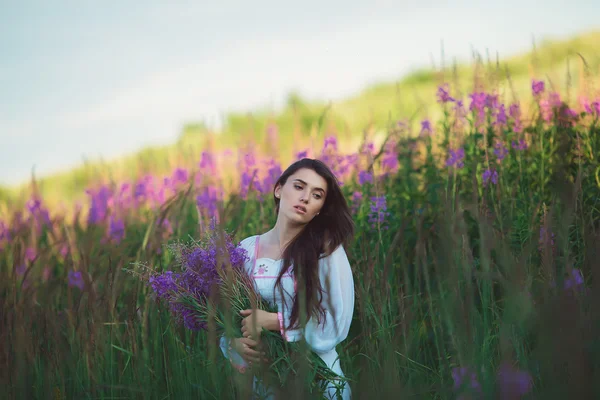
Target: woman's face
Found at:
x=302, y=196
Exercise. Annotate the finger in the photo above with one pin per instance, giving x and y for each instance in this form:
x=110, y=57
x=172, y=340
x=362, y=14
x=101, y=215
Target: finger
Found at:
x=249, y=342
x=246, y=334
x=246, y=312
x=252, y=353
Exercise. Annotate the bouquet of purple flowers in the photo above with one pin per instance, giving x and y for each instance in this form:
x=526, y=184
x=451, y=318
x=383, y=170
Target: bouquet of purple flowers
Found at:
x=211, y=289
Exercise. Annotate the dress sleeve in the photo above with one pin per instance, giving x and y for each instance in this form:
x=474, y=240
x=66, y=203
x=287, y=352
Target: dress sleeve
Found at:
x=338, y=302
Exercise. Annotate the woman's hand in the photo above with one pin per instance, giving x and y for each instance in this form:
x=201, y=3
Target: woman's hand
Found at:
x=244, y=347
x=247, y=348
x=256, y=320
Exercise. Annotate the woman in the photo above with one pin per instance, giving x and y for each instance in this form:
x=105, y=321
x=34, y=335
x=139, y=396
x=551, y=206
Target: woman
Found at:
x=301, y=261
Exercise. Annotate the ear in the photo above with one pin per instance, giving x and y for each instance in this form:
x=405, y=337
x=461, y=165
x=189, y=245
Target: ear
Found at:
x=277, y=191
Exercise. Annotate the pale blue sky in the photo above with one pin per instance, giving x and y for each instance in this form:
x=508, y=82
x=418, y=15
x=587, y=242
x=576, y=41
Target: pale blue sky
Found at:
x=99, y=79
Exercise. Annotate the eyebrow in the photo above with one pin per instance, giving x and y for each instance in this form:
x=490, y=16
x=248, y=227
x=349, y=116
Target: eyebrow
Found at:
x=304, y=183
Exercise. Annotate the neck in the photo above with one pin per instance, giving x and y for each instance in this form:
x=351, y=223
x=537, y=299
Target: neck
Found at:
x=283, y=232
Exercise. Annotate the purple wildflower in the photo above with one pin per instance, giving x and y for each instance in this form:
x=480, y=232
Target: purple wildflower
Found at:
x=389, y=161
x=368, y=148
x=207, y=201
x=198, y=278
x=520, y=145
x=180, y=176
x=575, y=279
x=596, y=108
x=39, y=213
x=491, y=101
x=330, y=142
x=456, y=158
x=273, y=173
x=378, y=212
x=76, y=279
x=501, y=116
x=443, y=94
x=477, y=106
x=356, y=200
x=537, y=87
x=515, y=113
x=500, y=150
x=513, y=383
x=99, y=206
x=465, y=378
x=302, y=154
x=364, y=177
x=490, y=176
x=426, y=128
x=30, y=254
x=116, y=229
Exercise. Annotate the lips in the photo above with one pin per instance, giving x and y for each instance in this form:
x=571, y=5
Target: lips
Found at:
x=300, y=208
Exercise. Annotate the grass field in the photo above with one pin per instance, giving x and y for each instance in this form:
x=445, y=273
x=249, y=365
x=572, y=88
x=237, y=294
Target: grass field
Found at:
x=475, y=259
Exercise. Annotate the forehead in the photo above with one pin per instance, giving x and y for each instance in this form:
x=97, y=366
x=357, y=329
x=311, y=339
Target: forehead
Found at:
x=311, y=178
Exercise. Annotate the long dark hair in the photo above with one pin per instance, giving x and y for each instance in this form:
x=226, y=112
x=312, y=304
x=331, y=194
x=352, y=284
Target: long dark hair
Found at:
x=332, y=227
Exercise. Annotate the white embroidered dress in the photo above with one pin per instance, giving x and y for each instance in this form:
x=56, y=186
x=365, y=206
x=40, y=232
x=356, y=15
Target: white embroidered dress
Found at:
x=338, y=300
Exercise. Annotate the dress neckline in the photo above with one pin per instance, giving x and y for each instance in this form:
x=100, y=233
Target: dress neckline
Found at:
x=256, y=258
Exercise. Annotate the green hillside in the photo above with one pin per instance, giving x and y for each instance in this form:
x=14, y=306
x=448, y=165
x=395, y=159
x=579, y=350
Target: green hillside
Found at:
x=371, y=111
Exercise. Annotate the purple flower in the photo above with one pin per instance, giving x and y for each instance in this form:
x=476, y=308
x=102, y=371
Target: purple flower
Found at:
x=330, y=142
x=180, y=176
x=249, y=180
x=389, y=162
x=443, y=95
x=520, y=145
x=208, y=165
x=30, y=254
x=302, y=154
x=116, y=229
x=39, y=213
x=364, y=177
x=490, y=176
x=515, y=113
x=478, y=102
x=4, y=232
x=596, y=107
x=164, y=285
x=426, y=128
x=207, y=201
x=378, y=212
x=491, y=101
x=99, y=204
x=76, y=279
x=500, y=150
x=200, y=266
x=465, y=378
x=368, y=148
x=537, y=87
x=456, y=158
x=501, y=116
x=273, y=173
x=513, y=383
x=356, y=200
x=575, y=279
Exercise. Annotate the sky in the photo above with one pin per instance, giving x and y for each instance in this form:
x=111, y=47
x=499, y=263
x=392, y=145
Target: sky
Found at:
x=88, y=79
